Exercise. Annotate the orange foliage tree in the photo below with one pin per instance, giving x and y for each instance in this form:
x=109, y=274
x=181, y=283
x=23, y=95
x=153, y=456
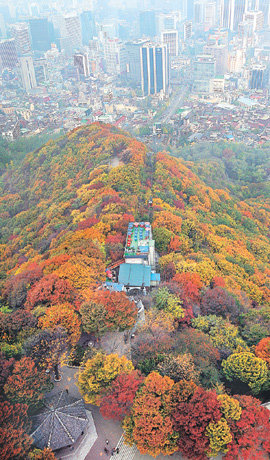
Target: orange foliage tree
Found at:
x=117, y=312
x=149, y=425
x=26, y=384
x=262, y=350
x=63, y=316
x=14, y=441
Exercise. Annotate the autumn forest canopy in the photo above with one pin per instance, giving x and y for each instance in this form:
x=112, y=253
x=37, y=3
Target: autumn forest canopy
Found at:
x=199, y=365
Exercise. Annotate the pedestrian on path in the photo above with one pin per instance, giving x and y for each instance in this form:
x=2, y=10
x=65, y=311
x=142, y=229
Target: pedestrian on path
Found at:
x=106, y=450
x=107, y=441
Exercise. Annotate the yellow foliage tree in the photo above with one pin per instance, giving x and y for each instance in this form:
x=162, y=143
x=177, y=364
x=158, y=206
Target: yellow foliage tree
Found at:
x=99, y=372
x=230, y=407
x=219, y=437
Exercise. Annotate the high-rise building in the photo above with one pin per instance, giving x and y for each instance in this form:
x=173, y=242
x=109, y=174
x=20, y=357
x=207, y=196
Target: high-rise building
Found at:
x=169, y=21
x=8, y=54
x=210, y=14
x=204, y=69
x=154, y=69
x=220, y=53
x=148, y=23
x=264, y=6
x=3, y=30
x=187, y=30
x=232, y=13
x=237, y=59
x=88, y=26
x=20, y=32
x=28, y=73
x=40, y=66
x=170, y=38
x=133, y=60
x=190, y=9
x=253, y=5
x=82, y=63
x=240, y=7
x=225, y=13
x=205, y=13
x=5, y=12
x=199, y=12
x=73, y=31
x=255, y=19
x=112, y=47
x=41, y=34
x=259, y=77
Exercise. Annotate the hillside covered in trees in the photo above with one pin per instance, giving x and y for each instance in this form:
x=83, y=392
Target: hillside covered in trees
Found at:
x=204, y=347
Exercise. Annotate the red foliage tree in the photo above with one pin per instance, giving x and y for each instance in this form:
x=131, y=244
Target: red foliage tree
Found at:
x=120, y=311
x=191, y=418
x=87, y=223
x=114, y=246
x=11, y=324
x=251, y=434
x=49, y=290
x=122, y=224
x=168, y=271
x=14, y=441
x=148, y=350
x=217, y=281
x=117, y=403
x=191, y=286
x=115, y=239
x=5, y=369
x=220, y=302
x=45, y=454
x=15, y=290
x=26, y=383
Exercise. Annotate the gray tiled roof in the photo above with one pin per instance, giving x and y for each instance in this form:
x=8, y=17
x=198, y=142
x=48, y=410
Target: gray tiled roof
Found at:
x=60, y=422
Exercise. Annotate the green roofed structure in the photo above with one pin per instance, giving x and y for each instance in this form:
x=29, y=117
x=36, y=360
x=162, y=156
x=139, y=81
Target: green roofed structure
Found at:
x=135, y=275
x=138, y=271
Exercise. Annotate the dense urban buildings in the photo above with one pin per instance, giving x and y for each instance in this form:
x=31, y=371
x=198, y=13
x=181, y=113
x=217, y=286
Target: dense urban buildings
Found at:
x=78, y=61
x=134, y=229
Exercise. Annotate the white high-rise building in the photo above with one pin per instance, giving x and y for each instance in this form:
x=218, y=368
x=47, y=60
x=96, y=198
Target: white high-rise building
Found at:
x=28, y=73
x=73, y=31
x=210, y=14
x=255, y=19
x=232, y=13
x=187, y=30
x=205, y=13
x=112, y=54
x=168, y=21
x=21, y=34
x=170, y=38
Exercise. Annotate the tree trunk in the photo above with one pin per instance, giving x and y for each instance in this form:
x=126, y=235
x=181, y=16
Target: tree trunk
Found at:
x=56, y=372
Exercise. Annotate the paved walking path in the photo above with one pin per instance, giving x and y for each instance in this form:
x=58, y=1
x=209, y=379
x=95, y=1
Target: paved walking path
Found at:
x=125, y=452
